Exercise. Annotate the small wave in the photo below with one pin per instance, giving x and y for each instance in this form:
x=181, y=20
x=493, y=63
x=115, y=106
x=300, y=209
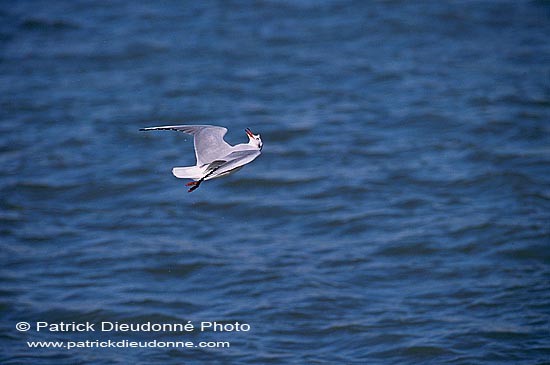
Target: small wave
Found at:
x=492, y=180
x=409, y=250
x=156, y=302
x=152, y=317
x=280, y=181
x=179, y=270
x=46, y=24
x=415, y=351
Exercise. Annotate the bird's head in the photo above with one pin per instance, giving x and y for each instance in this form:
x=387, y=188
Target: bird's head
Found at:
x=254, y=139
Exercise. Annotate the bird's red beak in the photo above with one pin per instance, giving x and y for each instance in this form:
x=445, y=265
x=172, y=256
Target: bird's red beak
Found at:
x=249, y=133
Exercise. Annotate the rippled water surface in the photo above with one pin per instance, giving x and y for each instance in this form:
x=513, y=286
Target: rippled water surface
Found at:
x=399, y=212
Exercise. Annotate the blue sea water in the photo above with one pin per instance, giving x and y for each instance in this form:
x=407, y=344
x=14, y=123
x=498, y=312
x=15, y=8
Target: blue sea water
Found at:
x=399, y=212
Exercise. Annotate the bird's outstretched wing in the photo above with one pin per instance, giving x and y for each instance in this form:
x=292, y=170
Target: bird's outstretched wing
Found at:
x=208, y=139
x=242, y=157
x=236, y=160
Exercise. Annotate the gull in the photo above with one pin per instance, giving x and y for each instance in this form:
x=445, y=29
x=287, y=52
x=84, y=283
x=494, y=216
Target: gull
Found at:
x=215, y=157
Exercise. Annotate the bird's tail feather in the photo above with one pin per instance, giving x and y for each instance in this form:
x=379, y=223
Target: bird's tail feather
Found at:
x=189, y=172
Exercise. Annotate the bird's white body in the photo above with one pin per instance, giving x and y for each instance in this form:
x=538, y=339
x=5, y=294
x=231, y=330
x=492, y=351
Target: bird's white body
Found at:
x=215, y=157
x=196, y=173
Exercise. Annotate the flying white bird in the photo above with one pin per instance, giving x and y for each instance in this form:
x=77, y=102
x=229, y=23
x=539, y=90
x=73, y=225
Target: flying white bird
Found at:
x=215, y=157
